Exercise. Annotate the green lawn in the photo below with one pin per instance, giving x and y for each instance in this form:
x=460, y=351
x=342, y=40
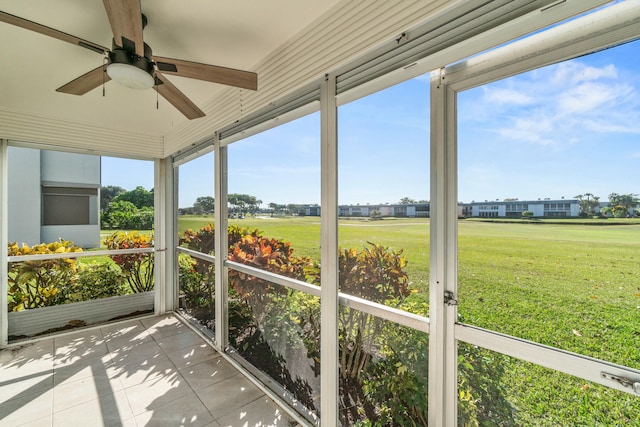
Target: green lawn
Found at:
x=561, y=283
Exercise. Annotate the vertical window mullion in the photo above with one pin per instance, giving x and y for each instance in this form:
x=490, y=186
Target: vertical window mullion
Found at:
x=4, y=229
x=329, y=255
x=442, y=280
x=221, y=245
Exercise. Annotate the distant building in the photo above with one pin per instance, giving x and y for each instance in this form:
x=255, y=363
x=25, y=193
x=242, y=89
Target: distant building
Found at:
x=499, y=209
x=54, y=195
x=312, y=210
x=412, y=210
x=514, y=209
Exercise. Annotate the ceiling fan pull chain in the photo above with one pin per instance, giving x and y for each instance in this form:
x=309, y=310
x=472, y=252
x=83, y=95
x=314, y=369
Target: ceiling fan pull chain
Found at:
x=157, y=102
x=105, y=61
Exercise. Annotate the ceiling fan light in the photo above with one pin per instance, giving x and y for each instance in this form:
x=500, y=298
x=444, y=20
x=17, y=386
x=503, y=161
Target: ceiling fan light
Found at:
x=130, y=76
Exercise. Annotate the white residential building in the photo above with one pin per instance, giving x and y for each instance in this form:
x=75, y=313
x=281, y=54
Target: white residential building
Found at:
x=56, y=197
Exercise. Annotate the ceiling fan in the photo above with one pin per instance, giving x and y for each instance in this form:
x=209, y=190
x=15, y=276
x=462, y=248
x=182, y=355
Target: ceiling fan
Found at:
x=130, y=61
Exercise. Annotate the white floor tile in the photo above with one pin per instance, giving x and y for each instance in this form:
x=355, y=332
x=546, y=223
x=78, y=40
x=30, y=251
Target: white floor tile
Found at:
x=191, y=356
x=84, y=390
x=116, y=330
x=26, y=408
x=154, y=394
x=228, y=396
x=82, y=369
x=142, y=371
x=262, y=412
x=163, y=327
x=140, y=353
x=186, y=411
x=28, y=351
x=209, y=372
x=180, y=341
x=136, y=373
x=41, y=422
x=15, y=386
x=108, y=410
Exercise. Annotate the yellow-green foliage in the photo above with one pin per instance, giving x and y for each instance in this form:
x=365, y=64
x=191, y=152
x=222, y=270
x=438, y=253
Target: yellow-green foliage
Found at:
x=34, y=284
x=138, y=268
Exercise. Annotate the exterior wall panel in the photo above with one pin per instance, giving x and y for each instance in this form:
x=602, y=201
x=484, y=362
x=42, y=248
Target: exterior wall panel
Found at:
x=85, y=168
x=24, y=195
x=85, y=236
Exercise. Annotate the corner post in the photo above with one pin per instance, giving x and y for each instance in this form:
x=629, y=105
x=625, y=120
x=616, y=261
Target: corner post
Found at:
x=4, y=230
x=164, y=236
x=443, y=401
x=221, y=245
x=329, y=390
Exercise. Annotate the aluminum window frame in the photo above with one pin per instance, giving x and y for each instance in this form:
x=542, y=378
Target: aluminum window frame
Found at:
x=603, y=29
x=324, y=95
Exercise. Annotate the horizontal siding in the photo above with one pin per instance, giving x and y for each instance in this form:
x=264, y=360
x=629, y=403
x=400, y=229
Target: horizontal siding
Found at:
x=31, y=322
x=55, y=132
x=345, y=32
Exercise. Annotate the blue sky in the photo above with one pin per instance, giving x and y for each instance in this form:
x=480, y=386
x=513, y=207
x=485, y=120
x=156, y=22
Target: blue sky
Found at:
x=558, y=131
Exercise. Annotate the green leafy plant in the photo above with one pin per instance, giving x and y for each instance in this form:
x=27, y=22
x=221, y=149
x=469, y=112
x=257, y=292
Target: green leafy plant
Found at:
x=376, y=274
x=383, y=366
x=124, y=215
x=98, y=280
x=138, y=268
x=41, y=283
x=197, y=287
x=201, y=240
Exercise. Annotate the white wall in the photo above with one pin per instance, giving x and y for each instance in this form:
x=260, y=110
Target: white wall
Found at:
x=85, y=236
x=24, y=195
x=70, y=168
x=28, y=169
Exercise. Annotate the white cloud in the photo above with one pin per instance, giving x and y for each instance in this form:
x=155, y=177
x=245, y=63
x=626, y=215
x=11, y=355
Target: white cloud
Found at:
x=573, y=72
x=558, y=103
x=506, y=96
x=528, y=129
x=588, y=97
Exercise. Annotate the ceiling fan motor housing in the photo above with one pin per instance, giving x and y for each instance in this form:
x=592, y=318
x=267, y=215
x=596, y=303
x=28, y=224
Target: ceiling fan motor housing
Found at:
x=123, y=56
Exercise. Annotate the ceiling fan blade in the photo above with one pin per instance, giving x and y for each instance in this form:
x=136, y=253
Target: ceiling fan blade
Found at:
x=177, y=98
x=86, y=82
x=47, y=31
x=209, y=73
x=125, y=17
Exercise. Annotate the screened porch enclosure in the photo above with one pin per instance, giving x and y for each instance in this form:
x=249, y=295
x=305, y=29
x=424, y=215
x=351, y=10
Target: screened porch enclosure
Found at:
x=393, y=319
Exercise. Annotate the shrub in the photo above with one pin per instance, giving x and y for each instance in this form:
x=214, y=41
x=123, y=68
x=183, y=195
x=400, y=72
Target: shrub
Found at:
x=376, y=274
x=117, y=215
x=137, y=268
x=122, y=214
x=527, y=214
x=384, y=366
x=201, y=240
x=98, y=280
x=396, y=382
x=34, y=284
x=141, y=220
x=197, y=287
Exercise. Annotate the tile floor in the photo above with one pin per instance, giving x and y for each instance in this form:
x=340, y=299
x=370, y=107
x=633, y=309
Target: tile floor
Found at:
x=149, y=372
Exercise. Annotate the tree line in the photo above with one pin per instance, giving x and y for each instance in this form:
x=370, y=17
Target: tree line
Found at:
x=619, y=204
x=126, y=210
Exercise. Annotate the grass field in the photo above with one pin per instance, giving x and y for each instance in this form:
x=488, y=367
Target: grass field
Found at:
x=565, y=284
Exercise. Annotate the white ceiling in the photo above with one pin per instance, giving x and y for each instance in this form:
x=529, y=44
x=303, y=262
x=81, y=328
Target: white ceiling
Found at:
x=235, y=34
